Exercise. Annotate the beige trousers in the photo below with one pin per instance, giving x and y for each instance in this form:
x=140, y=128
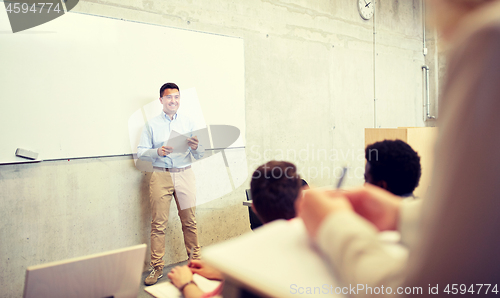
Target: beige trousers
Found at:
x=163, y=186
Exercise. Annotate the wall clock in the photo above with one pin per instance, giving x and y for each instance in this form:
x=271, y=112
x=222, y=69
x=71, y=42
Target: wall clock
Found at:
x=366, y=8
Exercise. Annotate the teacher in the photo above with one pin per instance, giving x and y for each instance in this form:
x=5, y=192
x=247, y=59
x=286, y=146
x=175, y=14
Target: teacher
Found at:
x=172, y=177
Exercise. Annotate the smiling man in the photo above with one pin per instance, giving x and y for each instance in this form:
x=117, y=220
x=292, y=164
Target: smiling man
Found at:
x=172, y=177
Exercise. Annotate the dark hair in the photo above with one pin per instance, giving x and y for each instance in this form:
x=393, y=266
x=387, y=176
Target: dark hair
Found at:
x=396, y=163
x=168, y=86
x=274, y=187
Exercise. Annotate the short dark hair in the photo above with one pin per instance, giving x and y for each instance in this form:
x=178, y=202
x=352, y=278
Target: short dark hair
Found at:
x=274, y=187
x=396, y=163
x=168, y=86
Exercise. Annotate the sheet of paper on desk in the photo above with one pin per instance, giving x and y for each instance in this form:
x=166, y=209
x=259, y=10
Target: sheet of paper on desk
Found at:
x=178, y=142
x=168, y=290
x=277, y=259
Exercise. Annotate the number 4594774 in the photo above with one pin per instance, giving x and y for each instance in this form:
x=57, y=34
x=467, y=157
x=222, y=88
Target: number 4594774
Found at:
x=34, y=8
x=472, y=289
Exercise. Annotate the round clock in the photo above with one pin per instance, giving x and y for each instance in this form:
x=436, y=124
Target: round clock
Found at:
x=366, y=8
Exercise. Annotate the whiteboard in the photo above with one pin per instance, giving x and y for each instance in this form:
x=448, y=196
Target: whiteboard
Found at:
x=70, y=86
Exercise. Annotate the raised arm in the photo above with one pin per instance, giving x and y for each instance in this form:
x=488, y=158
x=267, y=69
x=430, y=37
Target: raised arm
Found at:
x=349, y=241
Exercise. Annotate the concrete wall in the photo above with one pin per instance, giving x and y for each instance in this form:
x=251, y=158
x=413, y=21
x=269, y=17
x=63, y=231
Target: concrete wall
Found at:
x=316, y=76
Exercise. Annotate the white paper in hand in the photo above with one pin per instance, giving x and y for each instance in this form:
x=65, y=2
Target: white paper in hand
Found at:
x=178, y=142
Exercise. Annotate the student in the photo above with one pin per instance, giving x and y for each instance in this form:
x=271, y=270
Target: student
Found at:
x=275, y=187
x=455, y=240
x=394, y=166
x=255, y=222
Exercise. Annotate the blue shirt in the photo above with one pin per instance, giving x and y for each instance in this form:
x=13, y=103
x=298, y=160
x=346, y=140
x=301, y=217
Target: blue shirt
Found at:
x=157, y=131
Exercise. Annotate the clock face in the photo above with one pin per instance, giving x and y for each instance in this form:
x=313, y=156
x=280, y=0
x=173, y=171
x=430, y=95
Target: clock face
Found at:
x=366, y=8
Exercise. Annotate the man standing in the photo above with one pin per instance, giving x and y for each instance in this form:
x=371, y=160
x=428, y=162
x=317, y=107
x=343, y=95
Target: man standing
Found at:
x=172, y=177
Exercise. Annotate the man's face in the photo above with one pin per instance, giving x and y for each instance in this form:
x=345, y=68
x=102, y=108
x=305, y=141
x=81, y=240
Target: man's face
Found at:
x=170, y=101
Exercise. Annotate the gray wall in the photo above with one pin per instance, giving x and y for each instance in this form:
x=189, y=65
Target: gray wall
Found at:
x=313, y=70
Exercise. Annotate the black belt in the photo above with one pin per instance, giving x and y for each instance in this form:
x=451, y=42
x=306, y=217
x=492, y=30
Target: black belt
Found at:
x=173, y=170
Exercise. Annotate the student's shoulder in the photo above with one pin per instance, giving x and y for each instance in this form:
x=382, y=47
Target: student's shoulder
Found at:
x=487, y=35
x=476, y=46
x=481, y=31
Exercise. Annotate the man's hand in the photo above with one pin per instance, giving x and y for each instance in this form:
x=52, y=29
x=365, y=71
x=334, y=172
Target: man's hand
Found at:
x=165, y=150
x=193, y=142
x=180, y=275
x=315, y=205
x=377, y=205
x=204, y=270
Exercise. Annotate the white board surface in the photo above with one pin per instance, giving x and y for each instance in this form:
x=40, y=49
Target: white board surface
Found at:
x=69, y=87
